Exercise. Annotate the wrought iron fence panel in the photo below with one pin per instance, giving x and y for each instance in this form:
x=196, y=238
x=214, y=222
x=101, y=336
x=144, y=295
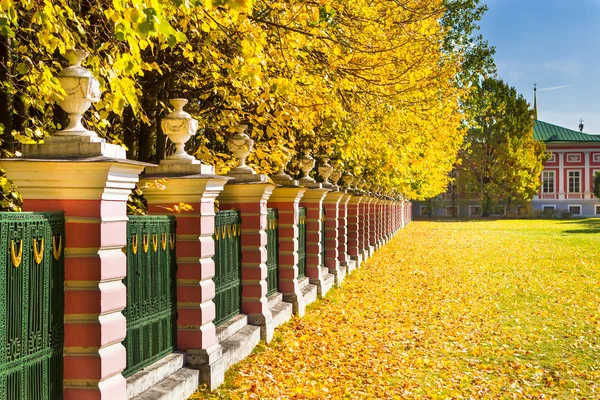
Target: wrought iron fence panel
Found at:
x=302, y=242
x=272, y=251
x=31, y=305
x=323, y=237
x=228, y=265
x=151, y=290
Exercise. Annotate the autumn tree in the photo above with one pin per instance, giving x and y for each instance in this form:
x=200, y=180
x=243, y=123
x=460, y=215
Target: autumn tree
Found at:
x=500, y=154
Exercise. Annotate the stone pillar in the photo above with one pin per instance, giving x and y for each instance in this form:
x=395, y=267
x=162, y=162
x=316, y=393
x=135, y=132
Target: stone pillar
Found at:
x=355, y=226
x=93, y=195
x=287, y=199
x=250, y=197
x=196, y=332
x=343, y=255
x=332, y=262
x=315, y=268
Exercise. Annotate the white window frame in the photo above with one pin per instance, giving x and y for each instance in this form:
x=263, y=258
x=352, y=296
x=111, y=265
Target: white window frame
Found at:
x=596, y=209
x=575, y=205
x=421, y=211
x=471, y=212
x=569, y=180
x=553, y=206
x=553, y=182
x=576, y=157
x=552, y=158
x=596, y=157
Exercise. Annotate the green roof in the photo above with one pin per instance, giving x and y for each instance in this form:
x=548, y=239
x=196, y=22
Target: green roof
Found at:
x=548, y=133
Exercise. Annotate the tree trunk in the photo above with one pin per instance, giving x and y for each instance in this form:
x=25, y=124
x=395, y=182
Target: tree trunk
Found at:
x=487, y=206
x=129, y=124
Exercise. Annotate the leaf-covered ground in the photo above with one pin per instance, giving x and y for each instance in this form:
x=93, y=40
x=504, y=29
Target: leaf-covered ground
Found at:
x=472, y=309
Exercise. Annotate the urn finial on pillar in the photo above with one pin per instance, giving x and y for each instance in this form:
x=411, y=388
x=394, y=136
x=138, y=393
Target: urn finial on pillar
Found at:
x=282, y=178
x=336, y=174
x=241, y=145
x=82, y=89
x=307, y=163
x=348, y=178
x=325, y=171
x=179, y=126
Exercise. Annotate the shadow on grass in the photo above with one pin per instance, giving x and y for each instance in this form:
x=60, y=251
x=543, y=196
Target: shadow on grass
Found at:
x=585, y=226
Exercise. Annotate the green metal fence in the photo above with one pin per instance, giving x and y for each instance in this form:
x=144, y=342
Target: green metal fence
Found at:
x=151, y=291
x=302, y=242
x=323, y=237
x=228, y=265
x=31, y=305
x=272, y=251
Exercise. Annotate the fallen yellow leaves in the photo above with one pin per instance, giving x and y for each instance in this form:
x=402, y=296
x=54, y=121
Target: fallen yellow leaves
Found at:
x=494, y=309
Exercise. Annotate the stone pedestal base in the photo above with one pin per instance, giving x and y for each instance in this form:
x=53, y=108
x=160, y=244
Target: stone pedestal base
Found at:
x=210, y=363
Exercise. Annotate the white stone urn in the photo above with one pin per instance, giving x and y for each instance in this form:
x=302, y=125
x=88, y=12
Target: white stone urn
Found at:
x=347, y=179
x=241, y=145
x=307, y=163
x=325, y=170
x=336, y=174
x=82, y=89
x=179, y=126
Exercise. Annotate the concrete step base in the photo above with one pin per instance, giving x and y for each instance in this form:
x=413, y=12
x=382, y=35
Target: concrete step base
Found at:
x=178, y=386
x=231, y=327
x=281, y=312
x=154, y=373
x=239, y=345
x=309, y=293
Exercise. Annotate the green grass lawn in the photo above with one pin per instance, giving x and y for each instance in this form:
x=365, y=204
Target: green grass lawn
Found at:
x=470, y=309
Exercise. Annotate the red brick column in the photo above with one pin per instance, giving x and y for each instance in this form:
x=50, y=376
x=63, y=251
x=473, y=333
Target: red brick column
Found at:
x=196, y=332
x=313, y=201
x=331, y=204
x=251, y=199
x=287, y=200
x=93, y=196
x=355, y=225
x=343, y=254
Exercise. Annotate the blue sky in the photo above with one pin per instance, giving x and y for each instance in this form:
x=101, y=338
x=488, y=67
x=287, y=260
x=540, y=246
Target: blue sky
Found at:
x=556, y=44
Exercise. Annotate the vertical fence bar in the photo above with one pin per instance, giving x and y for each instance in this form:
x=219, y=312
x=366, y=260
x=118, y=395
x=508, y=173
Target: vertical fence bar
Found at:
x=228, y=265
x=302, y=242
x=272, y=251
x=31, y=305
x=151, y=295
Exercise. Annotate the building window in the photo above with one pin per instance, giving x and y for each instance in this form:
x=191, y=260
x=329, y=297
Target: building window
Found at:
x=596, y=157
x=548, y=182
x=575, y=210
x=548, y=209
x=551, y=158
x=424, y=211
x=475, y=210
x=574, y=182
x=597, y=209
x=451, y=211
x=573, y=157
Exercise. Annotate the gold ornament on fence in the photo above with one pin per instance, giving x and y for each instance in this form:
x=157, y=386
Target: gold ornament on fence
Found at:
x=134, y=244
x=163, y=240
x=223, y=232
x=172, y=241
x=217, y=233
x=57, y=250
x=145, y=243
x=234, y=230
x=155, y=242
x=38, y=253
x=16, y=258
